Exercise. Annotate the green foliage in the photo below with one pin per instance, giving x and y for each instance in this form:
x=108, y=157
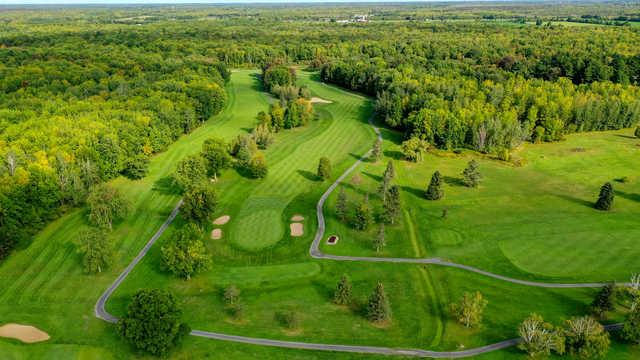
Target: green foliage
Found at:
x=96, y=250
x=637, y=132
x=215, y=152
x=631, y=327
x=471, y=174
x=378, y=242
x=190, y=172
x=209, y=98
x=243, y=148
x=605, y=198
x=184, y=254
x=136, y=167
x=414, y=149
x=604, y=300
x=233, y=306
x=290, y=319
x=199, y=203
x=152, y=322
x=343, y=293
x=257, y=166
x=470, y=309
x=263, y=136
x=231, y=294
x=540, y=338
x=391, y=205
x=281, y=75
x=435, y=191
x=378, y=308
x=324, y=168
x=106, y=205
x=363, y=215
x=586, y=338
x=341, y=205
x=376, y=151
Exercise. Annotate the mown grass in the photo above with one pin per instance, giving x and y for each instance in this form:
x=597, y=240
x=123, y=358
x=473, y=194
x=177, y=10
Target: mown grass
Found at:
x=43, y=284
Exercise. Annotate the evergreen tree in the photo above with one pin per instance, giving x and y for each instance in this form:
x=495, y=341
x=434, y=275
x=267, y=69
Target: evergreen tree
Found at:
x=324, y=168
x=376, y=151
x=471, y=174
x=342, y=295
x=378, y=309
x=364, y=215
x=435, y=191
x=605, y=199
x=341, y=205
x=637, y=132
x=378, y=241
x=391, y=206
x=631, y=327
x=387, y=177
x=603, y=301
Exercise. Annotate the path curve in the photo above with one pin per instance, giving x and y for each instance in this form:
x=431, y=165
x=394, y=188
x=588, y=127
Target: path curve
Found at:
x=316, y=253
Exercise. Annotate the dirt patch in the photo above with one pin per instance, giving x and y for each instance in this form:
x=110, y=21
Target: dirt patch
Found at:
x=297, y=217
x=297, y=229
x=317, y=100
x=222, y=220
x=24, y=333
x=216, y=234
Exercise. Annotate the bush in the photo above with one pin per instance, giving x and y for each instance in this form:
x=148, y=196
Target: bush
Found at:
x=289, y=319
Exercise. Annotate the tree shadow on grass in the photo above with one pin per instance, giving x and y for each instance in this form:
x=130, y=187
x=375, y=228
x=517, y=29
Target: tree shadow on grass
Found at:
x=356, y=189
x=256, y=84
x=308, y=175
x=166, y=186
x=589, y=204
x=395, y=155
x=453, y=181
x=411, y=190
x=358, y=157
x=626, y=136
x=377, y=178
x=628, y=196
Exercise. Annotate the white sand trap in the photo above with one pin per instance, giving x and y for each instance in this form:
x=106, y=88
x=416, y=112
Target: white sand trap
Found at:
x=24, y=333
x=317, y=100
x=297, y=229
x=216, y=234
x=297, y=217
x=222, y=220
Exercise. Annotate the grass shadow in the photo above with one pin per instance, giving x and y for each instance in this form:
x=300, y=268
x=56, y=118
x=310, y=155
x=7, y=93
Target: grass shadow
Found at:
x=589, y=204
x=453, y=181
x=166, y=186
x=308, y=175
x=411, y=190
x=256, y=84
x=395, y=155
x=628, y=196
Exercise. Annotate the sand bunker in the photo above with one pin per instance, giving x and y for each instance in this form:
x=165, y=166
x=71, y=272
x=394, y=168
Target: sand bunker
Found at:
x=216, y=234
x=24, y=333
x=317, y=100
x=297, y=217
x=222, y=220
x=297, y=229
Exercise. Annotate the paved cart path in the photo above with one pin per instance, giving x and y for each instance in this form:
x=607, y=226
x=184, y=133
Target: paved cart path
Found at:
x=315, y=253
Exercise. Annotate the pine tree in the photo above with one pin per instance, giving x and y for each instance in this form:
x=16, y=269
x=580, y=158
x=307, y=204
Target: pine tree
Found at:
x=471, y=174
x=603, y=301
x=605, y=199
x=376, y=152
x=364, y=215
x=342, y=296
x=378, y=241
x=378, y=309
x=341, y=205
x=435, y=191
x=387, y=177
x=391, y=205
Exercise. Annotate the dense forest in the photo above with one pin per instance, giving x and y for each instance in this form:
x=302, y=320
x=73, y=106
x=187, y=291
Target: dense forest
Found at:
x=89, y=95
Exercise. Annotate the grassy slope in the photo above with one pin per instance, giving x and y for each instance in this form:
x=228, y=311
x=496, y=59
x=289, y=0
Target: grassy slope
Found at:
x=533, y=221
x=45, y=287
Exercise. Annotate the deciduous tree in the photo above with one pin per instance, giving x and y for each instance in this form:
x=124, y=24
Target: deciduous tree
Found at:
x=199, y=203
x=586, y=338
x=540, y=338
x=184, y=254
x=106, y=205
x=468, y=311
x=96, y=249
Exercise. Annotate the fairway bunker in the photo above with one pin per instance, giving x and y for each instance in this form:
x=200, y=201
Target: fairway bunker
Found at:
x=317, y=100
x=25, y=333
x=222, y=220
x=297, y=217
x=297, y=229
x=333, y=239
x=216, y=234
